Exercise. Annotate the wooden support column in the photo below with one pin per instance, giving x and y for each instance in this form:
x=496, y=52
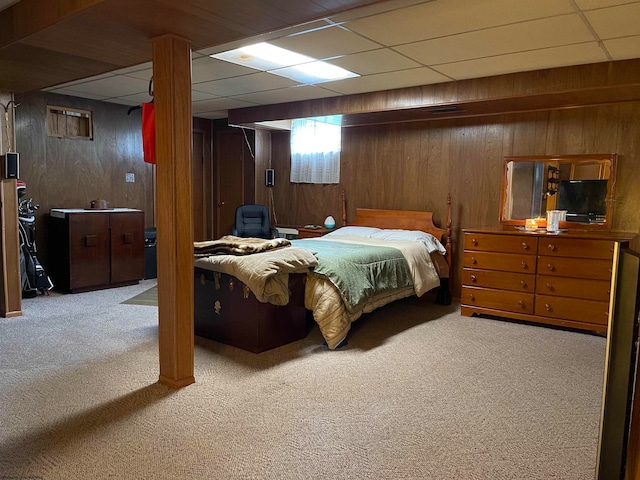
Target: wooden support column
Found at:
x=10, y=283
x=172, y=99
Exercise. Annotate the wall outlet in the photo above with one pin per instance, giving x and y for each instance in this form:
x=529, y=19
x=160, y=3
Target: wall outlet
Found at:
x=130, y=177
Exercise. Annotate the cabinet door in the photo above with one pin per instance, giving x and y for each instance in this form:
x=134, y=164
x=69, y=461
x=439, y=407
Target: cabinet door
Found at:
x=127, y=246
x=88, y=250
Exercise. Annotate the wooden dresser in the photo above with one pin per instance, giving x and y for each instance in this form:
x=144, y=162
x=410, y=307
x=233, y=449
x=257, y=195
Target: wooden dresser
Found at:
x=560, y=278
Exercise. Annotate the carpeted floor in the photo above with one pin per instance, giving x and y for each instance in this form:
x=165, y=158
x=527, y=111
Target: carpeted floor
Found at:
x=420, y=392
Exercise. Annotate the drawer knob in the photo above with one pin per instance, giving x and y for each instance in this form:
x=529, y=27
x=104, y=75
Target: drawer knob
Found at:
x=521, y=303
x=550, y=267
x=474, y=242
x=523, y=284
x=473, y=278
x=473, y=260
x=525, y=246
x=608, y=293
x=551, y=247
x=524, y=264
x=472, y=297
x=549, y=286
x=547, y=307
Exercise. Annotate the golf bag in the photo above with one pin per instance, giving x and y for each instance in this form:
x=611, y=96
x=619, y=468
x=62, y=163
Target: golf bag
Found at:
x=34, y=278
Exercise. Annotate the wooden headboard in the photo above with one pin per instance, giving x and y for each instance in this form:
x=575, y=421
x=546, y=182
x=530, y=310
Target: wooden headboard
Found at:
x=403, y=219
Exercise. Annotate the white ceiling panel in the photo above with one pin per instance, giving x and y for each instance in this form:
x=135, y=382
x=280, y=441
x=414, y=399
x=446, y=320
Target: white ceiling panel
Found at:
x=256, y=82
x=73, y=93
x=292, y=94
x=525, y=61
x=614, y=22
x=623, y=48
x=387, y=81
x=327, y=42
x=441, y=18
x=206, y=69
x=219, y=104
x=110, y=87
x=548, y=32
x=593, y=4
x=391, y=44
x=375, y=61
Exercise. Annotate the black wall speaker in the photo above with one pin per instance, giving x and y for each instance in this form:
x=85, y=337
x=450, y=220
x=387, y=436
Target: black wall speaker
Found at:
x=11, y=165
x=270, y=177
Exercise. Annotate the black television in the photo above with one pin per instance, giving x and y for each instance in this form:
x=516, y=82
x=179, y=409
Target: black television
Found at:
x=584, y=200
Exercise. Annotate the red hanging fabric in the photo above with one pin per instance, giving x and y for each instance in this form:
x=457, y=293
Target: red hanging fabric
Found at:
x=148, y=133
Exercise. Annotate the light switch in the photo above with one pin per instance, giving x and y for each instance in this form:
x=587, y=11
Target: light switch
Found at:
x=130, y=177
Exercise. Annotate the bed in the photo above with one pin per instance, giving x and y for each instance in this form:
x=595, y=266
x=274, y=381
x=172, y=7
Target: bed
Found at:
x=281, y=284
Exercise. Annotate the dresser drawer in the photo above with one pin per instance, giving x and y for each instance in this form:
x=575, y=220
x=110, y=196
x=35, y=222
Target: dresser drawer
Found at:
x=574, y=267
x=520, y=282
x=588, y=311
x=573, y=287
x=508, y=262
x=498, y=299
x=500, y=243
x=576, y=247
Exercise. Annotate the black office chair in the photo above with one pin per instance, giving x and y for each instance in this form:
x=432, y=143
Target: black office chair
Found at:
x=252, y=220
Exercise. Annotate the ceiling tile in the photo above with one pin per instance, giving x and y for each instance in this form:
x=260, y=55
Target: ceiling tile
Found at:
x=197, y=96
x=615, y=22
x=548, y=32
x=325, y=43
x=593, y=4
x=135, y=68
x=374, y=9
x=525, y=61
x=113, y=86
x=214, y=115
x=219, y=104
x=292, y=94
x=206, y=69
x=267, y=37
x=245, y=84
x=441, y=18
x=386, y=81
x=623, y=48
x=375, y=61
x=73, y=93
x=143, y=74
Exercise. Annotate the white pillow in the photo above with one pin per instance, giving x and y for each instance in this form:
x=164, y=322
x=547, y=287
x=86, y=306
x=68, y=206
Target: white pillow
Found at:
x=366, y=232
x=428, y=240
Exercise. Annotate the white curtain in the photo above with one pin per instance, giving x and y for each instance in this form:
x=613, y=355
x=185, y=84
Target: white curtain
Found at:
x=315, y=150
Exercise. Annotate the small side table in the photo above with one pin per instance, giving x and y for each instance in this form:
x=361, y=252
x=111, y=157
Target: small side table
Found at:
x=304, y=232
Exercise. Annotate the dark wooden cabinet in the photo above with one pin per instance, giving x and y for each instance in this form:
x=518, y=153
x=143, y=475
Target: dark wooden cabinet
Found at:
x=90, y=250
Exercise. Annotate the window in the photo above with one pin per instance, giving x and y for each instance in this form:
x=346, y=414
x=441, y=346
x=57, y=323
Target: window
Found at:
x=315, y=149
x=65, y=122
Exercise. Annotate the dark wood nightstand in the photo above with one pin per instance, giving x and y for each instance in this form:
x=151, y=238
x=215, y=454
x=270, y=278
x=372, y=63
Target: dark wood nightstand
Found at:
x=304, y=232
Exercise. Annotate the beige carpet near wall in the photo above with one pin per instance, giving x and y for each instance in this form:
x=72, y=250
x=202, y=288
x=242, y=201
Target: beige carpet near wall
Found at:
x=419, y=393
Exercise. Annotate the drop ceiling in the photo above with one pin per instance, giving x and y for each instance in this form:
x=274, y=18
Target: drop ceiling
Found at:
x=396, y=44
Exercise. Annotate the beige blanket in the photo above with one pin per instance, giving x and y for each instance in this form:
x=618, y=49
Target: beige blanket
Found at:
x=266, y=274
x=231, y=245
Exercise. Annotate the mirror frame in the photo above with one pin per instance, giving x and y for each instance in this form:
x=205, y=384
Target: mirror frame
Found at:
x=571, y=159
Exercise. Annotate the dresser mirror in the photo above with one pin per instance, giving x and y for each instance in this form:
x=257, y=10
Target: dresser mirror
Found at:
x=581, y=185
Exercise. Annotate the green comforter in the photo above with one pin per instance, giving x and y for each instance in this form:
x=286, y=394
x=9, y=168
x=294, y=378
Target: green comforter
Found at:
x=359, y=271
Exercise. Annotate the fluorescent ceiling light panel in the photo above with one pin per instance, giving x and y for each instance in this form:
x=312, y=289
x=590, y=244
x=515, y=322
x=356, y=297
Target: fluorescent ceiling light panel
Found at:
x=280, y=61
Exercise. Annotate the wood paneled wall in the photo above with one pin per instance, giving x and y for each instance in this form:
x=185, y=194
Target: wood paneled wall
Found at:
x=414, y=165
x=69, y=173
